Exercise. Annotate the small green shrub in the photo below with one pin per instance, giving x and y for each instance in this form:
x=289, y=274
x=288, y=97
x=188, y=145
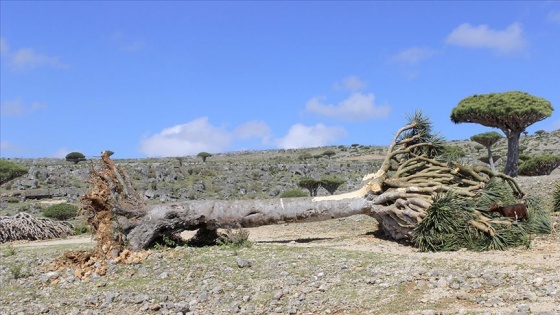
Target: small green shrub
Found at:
x=82, y=229
x=61, y=211
x=10, y=170
x=10, y=250
x=294, y=193
x=539, y=165
x=235, y=238
x=13, y=200
x=18, y=271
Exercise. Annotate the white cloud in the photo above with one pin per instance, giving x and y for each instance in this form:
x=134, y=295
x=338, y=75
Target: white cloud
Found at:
x=356, y=107
x=6, y=146
x=187, y=139
x=257, y=129
x=125, y=43
x=17, y=108
x=412, y=56
x=4, y=47
x=351, y=83
x=61, y=153
x=301, y=136
x=200, y=135
x=553, y=17
x=27, y=58
x=509, y=40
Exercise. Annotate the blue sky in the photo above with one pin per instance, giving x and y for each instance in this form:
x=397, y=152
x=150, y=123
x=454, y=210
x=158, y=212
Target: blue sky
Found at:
x=149, y=79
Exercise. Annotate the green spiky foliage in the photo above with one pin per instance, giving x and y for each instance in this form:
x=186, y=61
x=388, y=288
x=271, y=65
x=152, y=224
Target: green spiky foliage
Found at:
x=556, y=198
x=422, y=133
x=454, y=222
x=443, y=227
x=539, y=218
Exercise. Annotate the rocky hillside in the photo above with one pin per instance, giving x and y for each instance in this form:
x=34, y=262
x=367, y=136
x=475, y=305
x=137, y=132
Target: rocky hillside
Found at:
x=236, y=175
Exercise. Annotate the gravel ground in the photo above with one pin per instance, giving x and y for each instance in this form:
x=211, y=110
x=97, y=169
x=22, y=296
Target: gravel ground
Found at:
x=334, y=267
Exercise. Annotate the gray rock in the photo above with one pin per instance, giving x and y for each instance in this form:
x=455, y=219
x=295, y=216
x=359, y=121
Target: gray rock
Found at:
x=243, y=263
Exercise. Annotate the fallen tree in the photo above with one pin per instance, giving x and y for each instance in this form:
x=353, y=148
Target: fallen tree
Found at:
x=399, y=196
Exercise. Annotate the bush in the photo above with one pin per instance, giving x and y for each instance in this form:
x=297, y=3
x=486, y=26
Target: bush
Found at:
x=10, y=170
x=329, y=153
x=453, y=153
x=61, y=211
x=294, y=193
x=539, y=165
x=75, y=157
x=556, y=198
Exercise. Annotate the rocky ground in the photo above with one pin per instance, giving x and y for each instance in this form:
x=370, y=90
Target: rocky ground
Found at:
x=339, y=266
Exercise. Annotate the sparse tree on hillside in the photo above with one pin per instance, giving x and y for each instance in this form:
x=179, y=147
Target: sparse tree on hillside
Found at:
x=488, y=139
x=310, y=184
x=204, y=156
x=331, y=183
x=75, y=157
x=512, y=112
x=540, y=133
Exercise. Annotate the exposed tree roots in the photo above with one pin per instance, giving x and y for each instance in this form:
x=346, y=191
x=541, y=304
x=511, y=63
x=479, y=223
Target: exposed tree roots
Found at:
x=24, y=226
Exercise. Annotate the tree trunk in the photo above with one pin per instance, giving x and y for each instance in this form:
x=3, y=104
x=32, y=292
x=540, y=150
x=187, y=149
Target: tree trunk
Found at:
x=512, y=153
x=491, y=159
x=213, y=214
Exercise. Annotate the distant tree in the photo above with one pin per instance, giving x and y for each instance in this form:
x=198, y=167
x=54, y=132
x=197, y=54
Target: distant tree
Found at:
x=331, y=183
x=478, y=148
x=204, y=156
x=75, y=157
x=512, y=112
x=539, y=165
x=525, y=133
x=488, y=139
x=305, y=156
x=329, y=153
x=540, y=133
x=10, y=170
x=310, y=184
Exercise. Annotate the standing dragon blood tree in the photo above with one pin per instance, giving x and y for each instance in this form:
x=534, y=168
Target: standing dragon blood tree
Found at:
x=417, y=196
x=512, y=112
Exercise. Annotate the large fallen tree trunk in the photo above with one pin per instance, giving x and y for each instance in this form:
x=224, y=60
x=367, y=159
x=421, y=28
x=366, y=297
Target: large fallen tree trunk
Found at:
x=398, y=196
